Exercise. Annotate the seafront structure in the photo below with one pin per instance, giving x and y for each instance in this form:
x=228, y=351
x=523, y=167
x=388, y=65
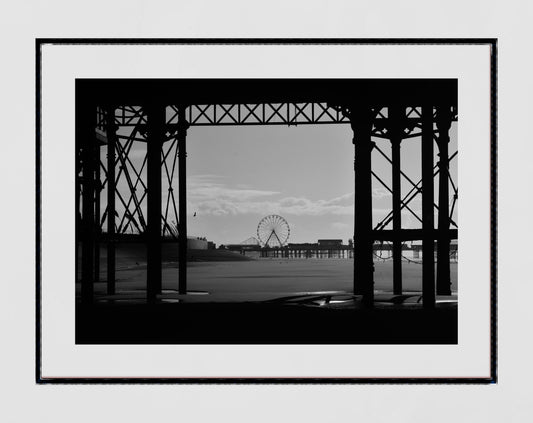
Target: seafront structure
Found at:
x=112, y=115
x=321, y=249
x=382, y=250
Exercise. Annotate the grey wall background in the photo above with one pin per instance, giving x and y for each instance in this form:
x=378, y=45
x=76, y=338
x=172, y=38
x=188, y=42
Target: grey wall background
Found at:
x=509, y=21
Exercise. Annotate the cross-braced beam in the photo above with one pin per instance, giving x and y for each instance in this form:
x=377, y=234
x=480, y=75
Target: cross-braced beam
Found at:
x=289, y=113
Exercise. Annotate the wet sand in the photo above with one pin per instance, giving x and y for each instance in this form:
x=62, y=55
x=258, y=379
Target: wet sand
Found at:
x=268, y=277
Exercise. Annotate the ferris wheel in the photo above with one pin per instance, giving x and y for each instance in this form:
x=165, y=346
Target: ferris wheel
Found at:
x=273, y=231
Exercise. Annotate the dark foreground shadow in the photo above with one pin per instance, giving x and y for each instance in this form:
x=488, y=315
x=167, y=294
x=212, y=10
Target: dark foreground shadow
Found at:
x=261, y=323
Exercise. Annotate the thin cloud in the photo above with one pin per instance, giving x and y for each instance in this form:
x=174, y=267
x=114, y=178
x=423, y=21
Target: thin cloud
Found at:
x=202, y=187
x=210, y=196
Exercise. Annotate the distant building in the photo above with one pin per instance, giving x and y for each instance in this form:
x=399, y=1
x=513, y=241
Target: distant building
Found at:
x=242, y=247
x=302, y=245
x=197, y=243
x=330, y=242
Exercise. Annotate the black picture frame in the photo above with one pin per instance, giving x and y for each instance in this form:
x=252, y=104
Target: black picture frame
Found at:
x=264, y=380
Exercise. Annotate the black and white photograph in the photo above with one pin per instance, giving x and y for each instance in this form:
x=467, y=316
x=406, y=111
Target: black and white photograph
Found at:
x=283, y=219
x=267, y=211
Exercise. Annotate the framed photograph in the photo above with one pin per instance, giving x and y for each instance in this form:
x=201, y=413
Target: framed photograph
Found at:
x=266, y=211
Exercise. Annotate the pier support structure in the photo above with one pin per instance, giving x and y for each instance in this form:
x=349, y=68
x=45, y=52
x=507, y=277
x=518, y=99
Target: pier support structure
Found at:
x=155, y=133
x=428, y=228
x=396, y=130
x=155, y=119
x=444, y=121
x=182, y=127
x=361, y=120
x=97, y=212
x=111, y=131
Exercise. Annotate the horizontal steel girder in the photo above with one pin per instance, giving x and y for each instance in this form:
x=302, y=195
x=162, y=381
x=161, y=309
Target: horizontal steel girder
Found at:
x=261, y=114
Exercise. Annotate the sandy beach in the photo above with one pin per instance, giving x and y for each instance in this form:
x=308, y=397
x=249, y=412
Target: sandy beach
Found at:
x=234, y=277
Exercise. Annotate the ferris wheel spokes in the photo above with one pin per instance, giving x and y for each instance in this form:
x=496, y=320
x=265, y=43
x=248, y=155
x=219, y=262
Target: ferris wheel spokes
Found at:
x=272, y=228
x=270, y=236
x=277, y=237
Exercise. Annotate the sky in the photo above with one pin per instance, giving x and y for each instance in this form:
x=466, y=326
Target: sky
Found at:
x=236, y=175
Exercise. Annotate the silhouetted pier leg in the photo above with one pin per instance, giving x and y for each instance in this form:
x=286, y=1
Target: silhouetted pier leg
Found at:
x=78, y=212
x=396, y=116
x=155, y=135
x=444, y=120
x=97, y=212
x=361, y=119
x=183, y=125
x=85, y=135
x=111, y=147
x=428, y=259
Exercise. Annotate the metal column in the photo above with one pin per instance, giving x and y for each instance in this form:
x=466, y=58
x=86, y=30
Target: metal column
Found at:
x=86, y=139
x=361, y=119
x=97, y=212
x=78, y=211
x=396, y=117
x=183, y=125
x=155, y=134
x=111, y=147
x=428, y=259
x=443, y=240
